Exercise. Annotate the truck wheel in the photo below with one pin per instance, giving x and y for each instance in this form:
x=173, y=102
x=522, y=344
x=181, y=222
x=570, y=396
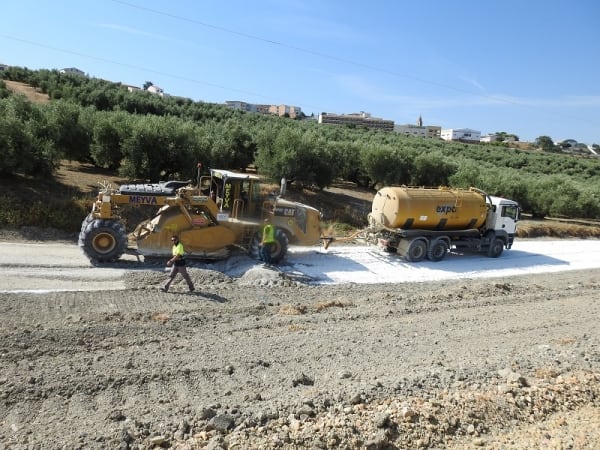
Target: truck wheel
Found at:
x=279, y=249
x=437, y=250
x=496, y=247
x=103, y=240
x=416, y=251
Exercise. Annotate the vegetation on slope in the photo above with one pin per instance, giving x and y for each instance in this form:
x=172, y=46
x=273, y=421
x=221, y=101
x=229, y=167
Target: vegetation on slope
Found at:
x=137, y=136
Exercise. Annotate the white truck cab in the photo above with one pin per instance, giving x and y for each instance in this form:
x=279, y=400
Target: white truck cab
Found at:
x=503, y=217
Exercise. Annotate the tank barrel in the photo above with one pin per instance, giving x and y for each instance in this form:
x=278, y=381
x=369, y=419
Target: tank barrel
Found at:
x=429, y=208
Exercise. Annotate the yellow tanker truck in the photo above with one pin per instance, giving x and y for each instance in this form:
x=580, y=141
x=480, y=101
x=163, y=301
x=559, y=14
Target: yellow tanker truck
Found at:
x=420, y=223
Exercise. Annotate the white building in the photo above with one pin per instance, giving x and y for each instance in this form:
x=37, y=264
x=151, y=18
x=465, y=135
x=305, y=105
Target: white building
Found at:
x=153, y=89
x=460, y=134
x=426, y=131
x=131, y=88
x=494, y=137
x=73, y=71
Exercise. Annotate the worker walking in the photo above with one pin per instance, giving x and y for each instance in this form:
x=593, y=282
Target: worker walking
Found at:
x=177, y=264
x=267, y=242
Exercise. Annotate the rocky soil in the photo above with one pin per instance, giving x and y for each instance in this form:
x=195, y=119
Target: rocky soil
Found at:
x=265, y=361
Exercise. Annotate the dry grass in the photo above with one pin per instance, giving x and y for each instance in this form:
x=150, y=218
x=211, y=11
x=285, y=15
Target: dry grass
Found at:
x=567, y=340
x=557, y=229
x=546, y=372
x=160, y=317
x=85, y=177
x=297, y=310
x=332, y=304
x=32, y=94
x=293, y=310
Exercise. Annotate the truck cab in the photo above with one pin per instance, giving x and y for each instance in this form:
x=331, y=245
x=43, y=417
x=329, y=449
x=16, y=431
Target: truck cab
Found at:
x=502, y=218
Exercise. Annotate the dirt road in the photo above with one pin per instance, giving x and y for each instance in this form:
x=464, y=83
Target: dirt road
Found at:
x=266, y=361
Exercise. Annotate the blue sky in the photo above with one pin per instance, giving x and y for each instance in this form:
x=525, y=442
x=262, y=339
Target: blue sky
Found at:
x=530, y=68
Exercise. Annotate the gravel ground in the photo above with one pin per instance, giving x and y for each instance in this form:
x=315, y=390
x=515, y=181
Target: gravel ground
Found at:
x=264, y=361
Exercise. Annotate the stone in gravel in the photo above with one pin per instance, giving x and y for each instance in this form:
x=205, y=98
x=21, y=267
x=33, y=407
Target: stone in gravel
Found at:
x=157, y=440
x=216, y=443
x=504, y=389
x=357, y=399
x=344, y=374
x=206, y=413
x=380, y=441
x=305, y=410
x=407, y=413
x=382, y=420
x=221, y=422
x=302, y=379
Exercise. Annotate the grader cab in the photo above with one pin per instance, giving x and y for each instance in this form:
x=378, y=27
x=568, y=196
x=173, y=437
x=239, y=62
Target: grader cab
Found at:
x=225, y=210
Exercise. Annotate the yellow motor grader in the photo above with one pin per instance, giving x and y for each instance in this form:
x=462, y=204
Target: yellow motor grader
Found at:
x=225, y=210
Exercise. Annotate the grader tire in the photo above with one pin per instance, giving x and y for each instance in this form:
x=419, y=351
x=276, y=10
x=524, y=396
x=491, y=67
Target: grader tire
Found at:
x=103, y=240
x=89, y=218
x=279, y=249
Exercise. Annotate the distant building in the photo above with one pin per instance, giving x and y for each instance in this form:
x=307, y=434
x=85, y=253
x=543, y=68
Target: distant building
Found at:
x=418, y=130
x=285, y=110
x=73, y=71
x=427, y=131
x=3, y=67
x=460, y=134
x=262, y=109
x=495, y=137
x=248, y=107
x=153, y=89
x=131, y=88
x=411, y=130
x=361, y=119
x=279, y=110
x=489, y=138
x=242, y=106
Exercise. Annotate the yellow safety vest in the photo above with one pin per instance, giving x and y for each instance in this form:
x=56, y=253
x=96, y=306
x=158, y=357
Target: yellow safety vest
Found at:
x=268, y=234
x=178, y=249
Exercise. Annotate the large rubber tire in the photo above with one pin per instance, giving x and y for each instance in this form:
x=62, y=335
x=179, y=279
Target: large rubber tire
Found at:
x=417, y=251
x=103, y=240
x=437, y=250
x=496, y=247
x=89, y=218
x=280, y=247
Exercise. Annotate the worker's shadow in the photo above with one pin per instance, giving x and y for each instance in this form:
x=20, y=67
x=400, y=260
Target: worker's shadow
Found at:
x=208, y=296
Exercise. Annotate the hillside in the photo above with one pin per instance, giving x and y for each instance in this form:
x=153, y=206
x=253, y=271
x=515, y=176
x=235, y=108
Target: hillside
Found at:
x=120, y=126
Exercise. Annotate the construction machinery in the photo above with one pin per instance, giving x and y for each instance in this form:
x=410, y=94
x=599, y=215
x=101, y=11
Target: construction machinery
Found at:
x=223, y=211
x=420, y=223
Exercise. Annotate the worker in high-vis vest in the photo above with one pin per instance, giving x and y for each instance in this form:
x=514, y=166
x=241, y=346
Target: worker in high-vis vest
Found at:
x=177, y=264
x=267, y=242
